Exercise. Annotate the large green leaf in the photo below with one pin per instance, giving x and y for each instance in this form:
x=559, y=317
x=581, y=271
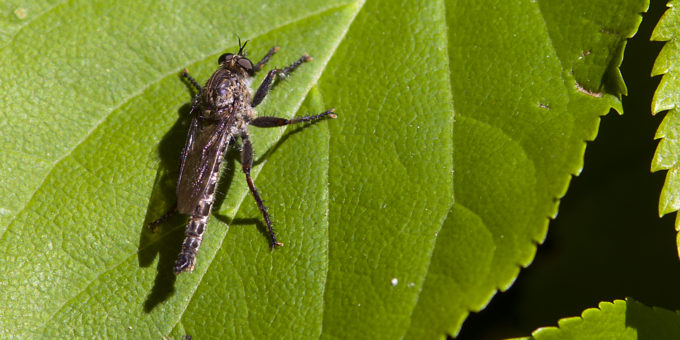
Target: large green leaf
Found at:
x=666, y=98
x=527, y=96
x=95, y=118
x=618, y=320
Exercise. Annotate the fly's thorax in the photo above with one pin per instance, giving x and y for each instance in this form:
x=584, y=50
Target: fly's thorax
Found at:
x=225, y=93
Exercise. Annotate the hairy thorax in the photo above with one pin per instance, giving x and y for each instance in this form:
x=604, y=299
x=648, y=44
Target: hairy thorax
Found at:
x=227, y=93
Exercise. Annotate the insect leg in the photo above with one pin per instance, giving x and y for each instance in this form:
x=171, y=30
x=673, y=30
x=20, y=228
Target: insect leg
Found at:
x=154, y=225
x=191, y=79
x=263, y=90
x=295, y=65
x=276, y=121
x=247, y=163
x=265, y=59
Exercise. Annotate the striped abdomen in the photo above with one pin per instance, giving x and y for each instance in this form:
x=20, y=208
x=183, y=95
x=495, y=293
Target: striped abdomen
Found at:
x=198, y=220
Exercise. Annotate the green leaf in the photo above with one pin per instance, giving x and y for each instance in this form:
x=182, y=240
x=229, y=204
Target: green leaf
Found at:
x=666, y=98
x=618, y=320
x=527, y=96
x=95, y=119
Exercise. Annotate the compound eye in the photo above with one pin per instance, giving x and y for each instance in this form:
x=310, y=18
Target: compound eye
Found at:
x=225, y=58
x=246, y=65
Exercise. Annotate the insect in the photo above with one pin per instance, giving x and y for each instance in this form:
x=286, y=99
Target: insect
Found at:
x=220, y=113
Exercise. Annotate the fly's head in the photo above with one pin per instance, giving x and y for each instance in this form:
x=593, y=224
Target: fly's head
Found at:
x=237, y=62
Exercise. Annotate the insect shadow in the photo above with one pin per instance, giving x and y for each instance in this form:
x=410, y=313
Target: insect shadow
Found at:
x=166, y=243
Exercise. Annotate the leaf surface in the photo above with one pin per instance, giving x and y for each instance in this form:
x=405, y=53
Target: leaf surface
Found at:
x=527, y=97
x=490, y=105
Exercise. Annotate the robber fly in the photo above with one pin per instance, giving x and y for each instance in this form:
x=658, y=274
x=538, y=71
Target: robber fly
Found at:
x=220, y=113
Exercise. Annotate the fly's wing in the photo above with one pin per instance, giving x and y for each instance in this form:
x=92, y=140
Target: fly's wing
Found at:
x=200, y=158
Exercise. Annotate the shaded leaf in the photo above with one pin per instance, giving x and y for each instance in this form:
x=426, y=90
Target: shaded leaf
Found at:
x=618, y=320
x=666, y=98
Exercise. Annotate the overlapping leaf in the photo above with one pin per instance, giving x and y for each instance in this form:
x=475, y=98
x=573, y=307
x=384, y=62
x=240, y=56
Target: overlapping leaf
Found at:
x=618, y=320
x=666, y=98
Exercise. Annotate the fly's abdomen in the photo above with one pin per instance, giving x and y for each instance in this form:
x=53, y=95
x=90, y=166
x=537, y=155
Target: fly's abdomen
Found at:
x=193, y=236
x=198, y=220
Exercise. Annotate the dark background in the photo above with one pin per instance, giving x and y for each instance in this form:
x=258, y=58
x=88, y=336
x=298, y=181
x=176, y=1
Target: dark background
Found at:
x=607, y=242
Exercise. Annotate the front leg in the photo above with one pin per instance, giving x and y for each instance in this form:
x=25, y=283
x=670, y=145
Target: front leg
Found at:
x=195, y=103
x=264, y=88
x=191, y=79
x=265, y=59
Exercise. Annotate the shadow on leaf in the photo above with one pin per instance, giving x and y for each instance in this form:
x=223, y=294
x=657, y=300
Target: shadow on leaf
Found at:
x=165, y=242
x=247, y=221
